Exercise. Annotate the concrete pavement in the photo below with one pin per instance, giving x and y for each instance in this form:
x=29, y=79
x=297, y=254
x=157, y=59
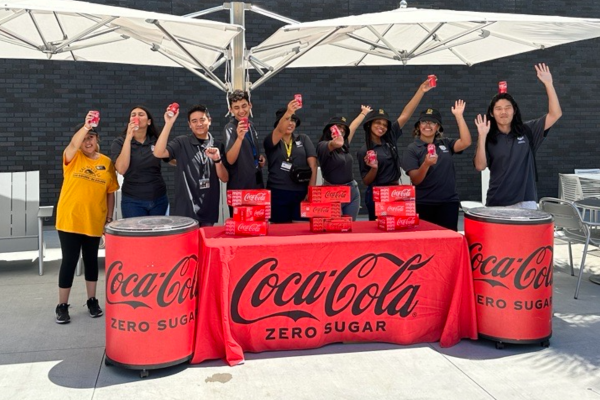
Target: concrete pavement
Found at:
x=40, y=359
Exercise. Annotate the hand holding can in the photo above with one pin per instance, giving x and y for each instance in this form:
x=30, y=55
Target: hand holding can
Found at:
x=95, y=119
x=172, y=109
x=502, y=87
x=335, y=131
x=431, y=149
x=432, y=80
x=298, y=98
x=244, y=122
x=371, y=157
x=136, y=121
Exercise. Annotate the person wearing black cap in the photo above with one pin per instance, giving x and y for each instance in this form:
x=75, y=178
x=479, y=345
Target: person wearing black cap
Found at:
x=433, y=175
x=292, y=162
x=336, y=161
x=381, y=136
x=85, y=205
x=507, y=146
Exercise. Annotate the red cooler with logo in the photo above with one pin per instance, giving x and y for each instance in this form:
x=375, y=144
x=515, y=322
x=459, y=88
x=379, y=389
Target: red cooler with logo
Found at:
x=151, y=291
x=511, y=256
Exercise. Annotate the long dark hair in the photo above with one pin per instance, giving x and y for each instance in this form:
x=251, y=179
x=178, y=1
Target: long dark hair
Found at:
x=385, y=139
x=151, y=130
x=516, y=125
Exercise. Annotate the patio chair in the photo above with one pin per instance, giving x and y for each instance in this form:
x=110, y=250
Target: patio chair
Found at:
x=573, y=229
x=587, y=171
x=485, y=184
x=570, y=187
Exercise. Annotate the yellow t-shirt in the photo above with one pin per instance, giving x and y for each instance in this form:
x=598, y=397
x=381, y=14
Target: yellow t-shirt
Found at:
x=82, y=206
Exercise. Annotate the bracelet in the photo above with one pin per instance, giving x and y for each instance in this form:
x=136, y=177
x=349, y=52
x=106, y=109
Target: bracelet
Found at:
x=109, y=219
x=86, y=128
x=363, y=114
x=218, y=161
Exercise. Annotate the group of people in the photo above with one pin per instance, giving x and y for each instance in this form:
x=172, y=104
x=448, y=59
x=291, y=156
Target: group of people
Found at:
x=506, y=145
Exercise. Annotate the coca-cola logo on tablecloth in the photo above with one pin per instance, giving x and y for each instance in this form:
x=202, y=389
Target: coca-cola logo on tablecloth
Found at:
x=531, y=270
x=355, y=288
x=152, y=288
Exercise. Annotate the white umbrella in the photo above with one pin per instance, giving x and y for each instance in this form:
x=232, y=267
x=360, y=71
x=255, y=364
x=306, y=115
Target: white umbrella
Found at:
x=412, y=36
x=80, y=31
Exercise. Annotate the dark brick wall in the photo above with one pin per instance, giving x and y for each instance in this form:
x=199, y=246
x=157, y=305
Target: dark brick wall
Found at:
x=42, y=101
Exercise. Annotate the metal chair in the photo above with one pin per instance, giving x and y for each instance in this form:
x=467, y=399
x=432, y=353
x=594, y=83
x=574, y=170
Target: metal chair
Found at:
x=570, y=187
x=572, y=229
x=587, y=171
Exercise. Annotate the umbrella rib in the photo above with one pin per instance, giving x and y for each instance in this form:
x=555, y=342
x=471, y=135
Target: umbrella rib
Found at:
x=430, y=34
x=385, y=41
x=84, y=33
x=445, y=42
x=21, y=41
x=65, y=36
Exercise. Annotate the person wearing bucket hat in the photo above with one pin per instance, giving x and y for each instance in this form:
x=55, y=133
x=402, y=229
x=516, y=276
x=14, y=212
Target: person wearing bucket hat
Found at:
x=292, y=165
x=381, y=137
x=85, y=204
x=432, y=171
x=507, y=146
x=335, y=158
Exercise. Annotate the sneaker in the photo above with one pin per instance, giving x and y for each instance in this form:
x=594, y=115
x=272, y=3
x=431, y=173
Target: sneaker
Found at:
x=93, y=307
x=62, y=314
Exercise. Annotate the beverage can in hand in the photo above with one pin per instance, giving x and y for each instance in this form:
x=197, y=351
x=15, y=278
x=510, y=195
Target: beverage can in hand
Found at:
x=136, y=122
x=502, y=87
x=431, y=149
x=371, y=156
x=298, y=98
x=95, y=120
x=432, y=80
x=172, y=110
x=335, y=131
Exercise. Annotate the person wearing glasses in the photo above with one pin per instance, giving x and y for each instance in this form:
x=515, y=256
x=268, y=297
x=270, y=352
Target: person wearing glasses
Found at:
x=335, y=158
x=381, y=136
x=428, y=163
x=507, y=145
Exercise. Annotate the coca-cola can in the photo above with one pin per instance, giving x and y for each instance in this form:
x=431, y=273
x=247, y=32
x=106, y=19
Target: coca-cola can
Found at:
x=244, y=121
x=432, y=80
x=502, y=87
x=172, y=110
x=431, y=149
x=95, y=120
x=298, y=98
x=335, y=131
x=371, y=156
x=136, y=122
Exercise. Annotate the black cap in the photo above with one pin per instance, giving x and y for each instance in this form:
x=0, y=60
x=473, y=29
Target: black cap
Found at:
x=279, y=113
x=377, y=114
x=431, y=114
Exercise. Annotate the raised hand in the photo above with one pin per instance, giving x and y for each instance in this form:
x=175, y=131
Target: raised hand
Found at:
x=459, y=107
x=543, y=73
x=483, y=125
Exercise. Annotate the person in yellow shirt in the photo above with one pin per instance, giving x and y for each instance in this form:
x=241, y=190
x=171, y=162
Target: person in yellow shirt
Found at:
x=85, y=205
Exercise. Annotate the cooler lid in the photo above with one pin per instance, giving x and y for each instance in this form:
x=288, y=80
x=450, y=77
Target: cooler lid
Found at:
x=151, y=226
x=507, y=215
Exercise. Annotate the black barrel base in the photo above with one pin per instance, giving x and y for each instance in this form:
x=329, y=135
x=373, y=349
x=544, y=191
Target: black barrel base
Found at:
x=145, y=368
x=544, y=342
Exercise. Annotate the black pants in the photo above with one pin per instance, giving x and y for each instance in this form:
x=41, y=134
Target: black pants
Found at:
x=70, y=245
x=444, y=214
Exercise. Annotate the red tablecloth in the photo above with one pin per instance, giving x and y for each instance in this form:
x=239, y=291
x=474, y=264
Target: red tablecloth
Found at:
x=293, y=289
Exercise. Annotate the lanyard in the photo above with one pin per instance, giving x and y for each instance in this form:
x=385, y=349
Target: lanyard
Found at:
x=288, y=148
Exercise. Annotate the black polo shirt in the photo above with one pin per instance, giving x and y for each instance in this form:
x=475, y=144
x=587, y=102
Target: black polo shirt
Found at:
x=388, y=159
x=512, y=173
x=245, y=172
x=336, y=165
x=197, y=188
x=439, y=185
x=302, y=148
x=143, y=179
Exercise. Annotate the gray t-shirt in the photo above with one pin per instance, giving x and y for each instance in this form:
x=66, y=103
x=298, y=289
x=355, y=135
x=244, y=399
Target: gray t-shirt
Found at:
x=388, y=159
x=336, y=165
x=512, y=173
x=439, y=185
x=302, y=148
x=245, y=172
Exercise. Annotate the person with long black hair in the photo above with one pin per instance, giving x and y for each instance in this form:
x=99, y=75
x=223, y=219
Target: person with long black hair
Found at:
x=144, y=191
x=381, y=136
x=507, y=145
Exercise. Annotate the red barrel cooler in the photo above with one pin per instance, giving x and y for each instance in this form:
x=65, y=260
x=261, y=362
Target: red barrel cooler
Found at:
x=151, y=291
x=511, y=256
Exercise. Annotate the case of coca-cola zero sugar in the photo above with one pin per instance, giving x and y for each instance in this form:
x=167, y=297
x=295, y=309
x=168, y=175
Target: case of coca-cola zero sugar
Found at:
x=246, y=228
x=394, y=223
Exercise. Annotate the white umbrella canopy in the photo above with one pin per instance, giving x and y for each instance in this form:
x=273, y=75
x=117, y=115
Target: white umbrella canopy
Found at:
x=413, y=36
x=80, y=31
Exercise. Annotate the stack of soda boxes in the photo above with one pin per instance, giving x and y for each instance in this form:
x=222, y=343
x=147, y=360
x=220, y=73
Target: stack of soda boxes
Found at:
x=324, y=208
x=395, y=207
x=251, y=212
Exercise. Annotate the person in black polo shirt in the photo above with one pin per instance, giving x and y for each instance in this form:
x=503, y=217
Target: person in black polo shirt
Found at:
x=286, y=150
x=507, y=146
x=336, y=161
x=144, y=191
x=244, y=160
x=199, y=167
x=382, y=136
x=433, y=175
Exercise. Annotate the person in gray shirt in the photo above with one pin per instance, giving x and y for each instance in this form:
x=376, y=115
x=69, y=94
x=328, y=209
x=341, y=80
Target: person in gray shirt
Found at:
x=507, y=146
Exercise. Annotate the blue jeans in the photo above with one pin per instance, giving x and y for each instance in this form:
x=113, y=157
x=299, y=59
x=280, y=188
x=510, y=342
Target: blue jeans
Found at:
x=351, y=208
x=131, y=207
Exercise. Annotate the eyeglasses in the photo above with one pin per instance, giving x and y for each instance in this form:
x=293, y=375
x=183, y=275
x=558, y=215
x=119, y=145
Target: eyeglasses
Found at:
x=427, y=123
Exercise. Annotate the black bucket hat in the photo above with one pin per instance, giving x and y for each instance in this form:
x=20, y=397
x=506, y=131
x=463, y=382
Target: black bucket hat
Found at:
x=93, y=131
x=433, y=115
x=336, y=121
x=377, y=114
x=279, y=113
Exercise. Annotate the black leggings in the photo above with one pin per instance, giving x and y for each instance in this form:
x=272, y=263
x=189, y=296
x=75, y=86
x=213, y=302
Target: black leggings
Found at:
x=445, y=214
x=71, y=244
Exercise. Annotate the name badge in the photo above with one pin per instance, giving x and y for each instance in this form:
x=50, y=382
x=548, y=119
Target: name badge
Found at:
x=299, y=143
x=203, y=184
x=286, y=166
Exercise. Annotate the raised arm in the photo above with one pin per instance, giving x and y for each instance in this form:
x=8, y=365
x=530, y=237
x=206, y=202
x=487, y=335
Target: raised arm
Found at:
x=78, y=138
x=356, y=122
x=554, y=110
x=160, y=148
x=483, y=128
x=464, y=140
x=412, y=105
x=279, y=130
x=122, y=162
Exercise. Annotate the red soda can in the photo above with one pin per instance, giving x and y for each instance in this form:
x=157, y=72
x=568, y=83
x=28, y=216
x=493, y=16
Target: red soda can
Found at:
x=244, y=120
x=371, y=156
x=502, y=87
x=136, y=122
x=431, y=149
x=95, y=120
x=172, y=110
x=298, y=98
x=335, y=131
x=432, y=80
